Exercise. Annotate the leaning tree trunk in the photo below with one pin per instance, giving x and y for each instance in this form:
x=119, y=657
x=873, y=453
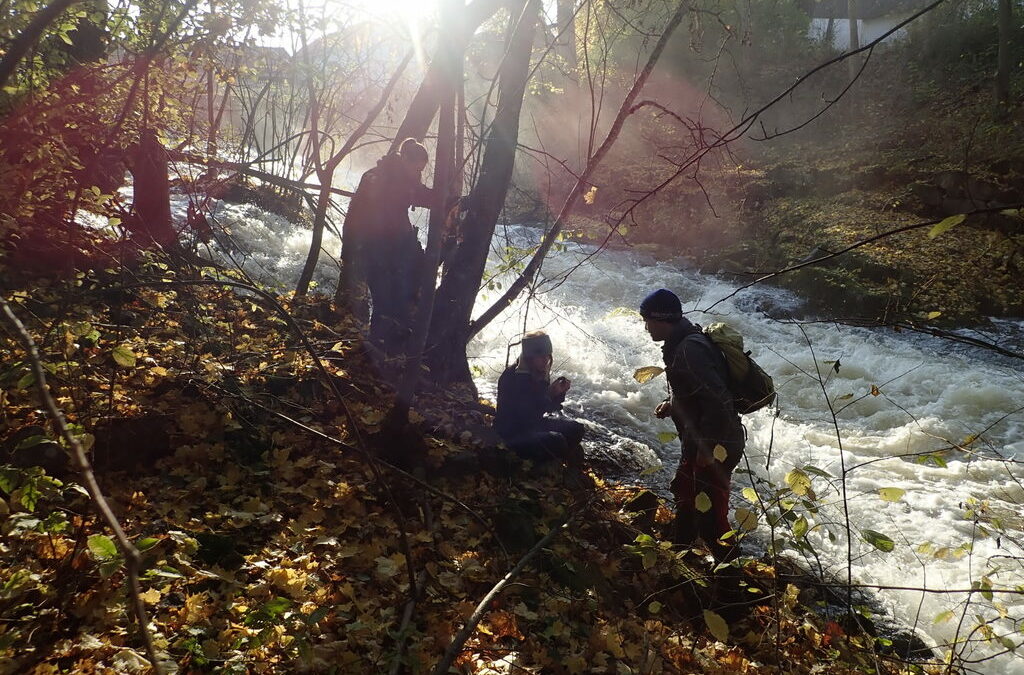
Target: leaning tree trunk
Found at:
x=583, y=180
x=451, y=75
x=464, y=268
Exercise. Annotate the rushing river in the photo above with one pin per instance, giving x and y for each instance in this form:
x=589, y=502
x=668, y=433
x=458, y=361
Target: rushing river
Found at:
x=941, y=423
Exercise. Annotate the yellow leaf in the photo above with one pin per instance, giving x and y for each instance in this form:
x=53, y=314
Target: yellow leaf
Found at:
x=746, y=519
x=577, y=665
x=934, y=315
x=875, y=391
x=667, y=436
x=716, y=625
x=647, y=373
x=289, y=581
x=891, y=494
x=389, y=566
x=799, y=482
x=720, y=453
x=702, y=502
x=150, y=597
x=590, y=195
x=946, y=224
x=124, y=356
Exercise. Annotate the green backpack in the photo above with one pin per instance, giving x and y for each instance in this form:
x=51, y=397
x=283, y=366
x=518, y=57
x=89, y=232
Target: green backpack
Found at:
x=752, y=388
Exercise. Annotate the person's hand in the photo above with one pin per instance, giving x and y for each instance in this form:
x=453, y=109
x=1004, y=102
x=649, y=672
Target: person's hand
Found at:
x=559, y=386
x=663, y=410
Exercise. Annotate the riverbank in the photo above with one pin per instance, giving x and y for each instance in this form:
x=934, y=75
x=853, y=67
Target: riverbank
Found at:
x=269, y=547
x=880, y=160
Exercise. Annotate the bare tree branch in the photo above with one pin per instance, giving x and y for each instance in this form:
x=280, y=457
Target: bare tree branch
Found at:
x=581, y=183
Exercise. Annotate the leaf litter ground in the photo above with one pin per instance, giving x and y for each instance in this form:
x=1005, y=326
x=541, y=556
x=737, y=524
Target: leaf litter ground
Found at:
x=269, y=548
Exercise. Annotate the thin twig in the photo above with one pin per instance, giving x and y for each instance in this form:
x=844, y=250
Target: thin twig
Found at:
x=481, y=609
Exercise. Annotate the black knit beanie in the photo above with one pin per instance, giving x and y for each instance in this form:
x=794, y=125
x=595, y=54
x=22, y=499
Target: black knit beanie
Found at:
x=662, y=305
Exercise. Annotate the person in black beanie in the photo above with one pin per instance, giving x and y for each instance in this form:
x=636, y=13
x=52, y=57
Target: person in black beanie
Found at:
x=701, y=406
x=525, y=395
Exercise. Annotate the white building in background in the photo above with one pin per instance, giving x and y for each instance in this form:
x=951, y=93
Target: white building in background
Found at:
x=877, y=17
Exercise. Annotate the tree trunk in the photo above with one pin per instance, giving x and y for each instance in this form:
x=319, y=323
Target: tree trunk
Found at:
x=465, y=267
x=325, y=176
x=853, y=15
x=582, y=182
x=323, y=202
x=152, y=193
x=1003, y=63
x=428, y=97
x=567, y=42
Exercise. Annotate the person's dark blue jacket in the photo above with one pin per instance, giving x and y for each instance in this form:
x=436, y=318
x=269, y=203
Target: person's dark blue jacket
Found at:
x=523, y=399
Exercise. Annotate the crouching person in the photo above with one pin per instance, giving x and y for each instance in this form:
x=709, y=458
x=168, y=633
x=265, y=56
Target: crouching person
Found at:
x=525, y=395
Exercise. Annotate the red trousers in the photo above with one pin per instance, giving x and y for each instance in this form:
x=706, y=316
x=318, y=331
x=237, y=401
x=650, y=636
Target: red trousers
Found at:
x=690, y=482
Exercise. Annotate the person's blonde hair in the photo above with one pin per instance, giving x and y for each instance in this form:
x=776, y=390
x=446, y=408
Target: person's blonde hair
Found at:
x=536, y=343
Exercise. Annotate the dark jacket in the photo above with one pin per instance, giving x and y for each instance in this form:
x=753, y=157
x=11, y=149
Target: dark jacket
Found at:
x=702, y=406
x=522, y=402
x=379, y=210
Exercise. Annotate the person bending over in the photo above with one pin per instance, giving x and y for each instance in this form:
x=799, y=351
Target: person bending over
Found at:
x=701, y=406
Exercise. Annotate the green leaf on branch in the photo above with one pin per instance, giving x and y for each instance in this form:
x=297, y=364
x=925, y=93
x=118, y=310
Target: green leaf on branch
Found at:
x=667, y=436
x=147, y=543
x=800, y=527
x=702, y=502
x=647, y=373
x=946, y=224
x=31, y=442
x=102, y=546
x=878, y=540
x=27, y=380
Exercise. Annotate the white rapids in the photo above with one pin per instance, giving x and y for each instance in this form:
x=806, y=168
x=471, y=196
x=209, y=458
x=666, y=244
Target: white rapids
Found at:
x=958, y=523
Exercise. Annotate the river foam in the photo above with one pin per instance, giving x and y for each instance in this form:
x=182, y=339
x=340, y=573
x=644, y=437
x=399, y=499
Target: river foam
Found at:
x=958, y=521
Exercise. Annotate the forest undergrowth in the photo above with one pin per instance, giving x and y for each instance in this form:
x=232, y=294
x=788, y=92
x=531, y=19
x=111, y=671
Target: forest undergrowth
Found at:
x=275, y=538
